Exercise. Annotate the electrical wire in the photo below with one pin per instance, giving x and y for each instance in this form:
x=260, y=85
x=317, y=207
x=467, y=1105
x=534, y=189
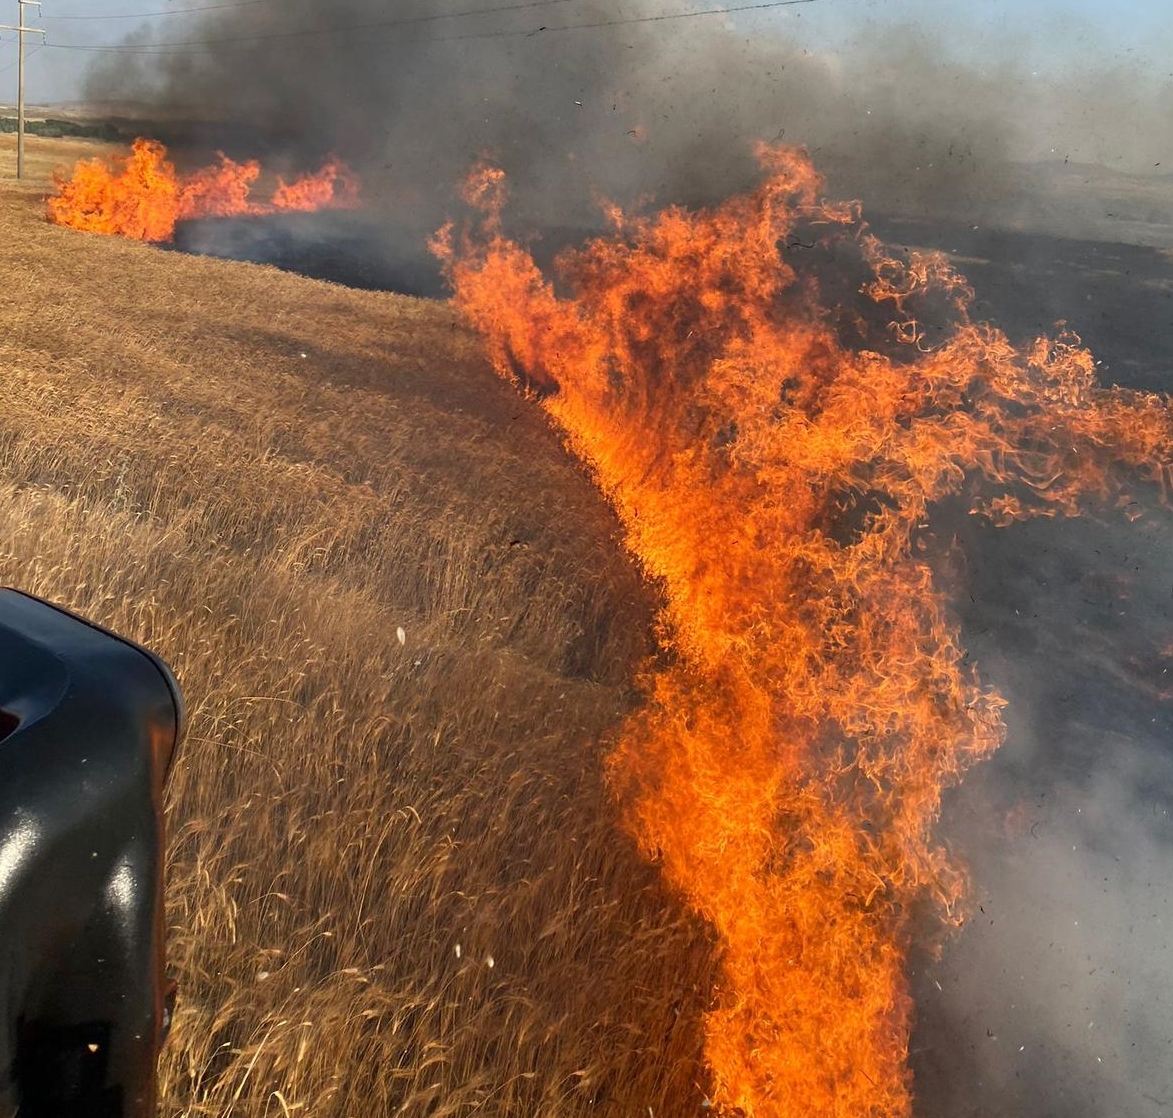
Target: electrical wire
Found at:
x=402, y=21
x=203, y=44
x=28, y=55
x=170, y=11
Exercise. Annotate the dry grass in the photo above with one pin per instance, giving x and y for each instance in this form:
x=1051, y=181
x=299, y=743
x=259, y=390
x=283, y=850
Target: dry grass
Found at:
x=396, y=885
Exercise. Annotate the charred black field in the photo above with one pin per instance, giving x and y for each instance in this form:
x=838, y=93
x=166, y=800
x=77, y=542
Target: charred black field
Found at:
x=353, y=249
x=1117, y=296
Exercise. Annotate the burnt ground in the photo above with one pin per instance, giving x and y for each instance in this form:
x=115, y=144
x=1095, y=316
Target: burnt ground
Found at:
x=361, y=249
x=1056, y=1000
x=356, y=249
x=1117, y=297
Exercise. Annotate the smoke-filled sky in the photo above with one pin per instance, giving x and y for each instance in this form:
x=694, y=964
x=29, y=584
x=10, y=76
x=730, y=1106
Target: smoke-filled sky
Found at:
x=1050, y=32
x=1087, y=80
x=916, y=105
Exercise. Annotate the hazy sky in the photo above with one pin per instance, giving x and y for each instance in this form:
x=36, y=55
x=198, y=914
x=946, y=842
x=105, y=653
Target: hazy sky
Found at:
x=1048, y=33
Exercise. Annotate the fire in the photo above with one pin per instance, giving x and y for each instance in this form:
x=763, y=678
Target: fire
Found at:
x=143, y=196
x=775, y=456
x=334, y=186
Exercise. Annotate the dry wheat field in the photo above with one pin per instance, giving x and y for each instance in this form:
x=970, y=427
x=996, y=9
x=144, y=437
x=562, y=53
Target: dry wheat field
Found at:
x=404, y=628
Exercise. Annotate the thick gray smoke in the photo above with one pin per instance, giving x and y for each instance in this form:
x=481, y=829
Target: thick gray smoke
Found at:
x=669, y=109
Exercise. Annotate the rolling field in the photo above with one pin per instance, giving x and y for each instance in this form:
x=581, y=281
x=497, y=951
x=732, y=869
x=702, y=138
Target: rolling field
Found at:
x=404, y=627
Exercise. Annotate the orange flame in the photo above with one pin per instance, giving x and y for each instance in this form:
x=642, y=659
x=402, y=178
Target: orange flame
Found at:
x=774, y=478
x=335, y=185
x=143, y=196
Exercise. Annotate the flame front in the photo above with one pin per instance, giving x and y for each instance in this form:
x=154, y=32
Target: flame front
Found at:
x=774, y=459
x=143, y=196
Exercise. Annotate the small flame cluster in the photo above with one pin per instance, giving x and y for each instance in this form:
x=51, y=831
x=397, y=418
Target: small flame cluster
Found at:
x=775, y=457
x=142, y=196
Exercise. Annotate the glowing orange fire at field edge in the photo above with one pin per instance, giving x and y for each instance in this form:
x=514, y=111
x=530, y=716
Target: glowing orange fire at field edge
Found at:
x=143, y=196
x=815, y=700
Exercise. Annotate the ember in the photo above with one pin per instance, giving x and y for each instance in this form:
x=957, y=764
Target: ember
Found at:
x=143, y=196
x=775, y=478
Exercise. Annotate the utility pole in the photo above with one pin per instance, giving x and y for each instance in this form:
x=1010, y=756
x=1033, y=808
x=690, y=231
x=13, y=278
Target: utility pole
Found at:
x=21, y=31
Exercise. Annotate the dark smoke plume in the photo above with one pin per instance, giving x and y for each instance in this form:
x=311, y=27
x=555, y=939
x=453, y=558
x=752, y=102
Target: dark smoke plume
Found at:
x=667, y=109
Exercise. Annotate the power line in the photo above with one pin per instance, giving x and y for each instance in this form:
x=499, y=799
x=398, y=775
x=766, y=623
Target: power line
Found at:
x=663, y=17
x=402, y=21
x=22, y=29
x=173, y=11
x=32, y=51
x=499, y=34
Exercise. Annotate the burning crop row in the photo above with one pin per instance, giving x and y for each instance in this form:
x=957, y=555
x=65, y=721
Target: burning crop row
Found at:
x=775, y=454
x=777, y=439
x=143, y=196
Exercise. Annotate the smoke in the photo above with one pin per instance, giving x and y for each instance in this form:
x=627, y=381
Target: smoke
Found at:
x=1056, y=1000
x=669, y=109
